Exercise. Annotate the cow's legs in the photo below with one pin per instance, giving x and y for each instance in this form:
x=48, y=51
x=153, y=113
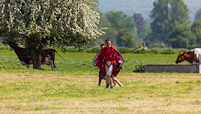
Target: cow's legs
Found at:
x=23, y=63
x=27, y=66
x=52, y=65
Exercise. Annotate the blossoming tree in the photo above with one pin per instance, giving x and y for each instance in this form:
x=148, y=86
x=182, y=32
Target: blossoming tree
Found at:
x=39, y=23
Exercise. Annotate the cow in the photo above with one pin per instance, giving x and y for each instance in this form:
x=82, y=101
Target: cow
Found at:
x=193, y=56
x=47, y=56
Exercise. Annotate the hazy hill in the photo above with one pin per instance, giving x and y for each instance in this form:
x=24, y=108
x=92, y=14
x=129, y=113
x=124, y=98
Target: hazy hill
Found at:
x=141, y=6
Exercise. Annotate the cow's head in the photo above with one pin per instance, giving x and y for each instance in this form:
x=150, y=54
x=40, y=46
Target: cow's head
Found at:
x=187, y=56
x=180, y=57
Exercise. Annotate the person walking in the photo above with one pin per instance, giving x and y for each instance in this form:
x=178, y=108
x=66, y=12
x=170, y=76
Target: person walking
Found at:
x=106, y=60
x=100, y=76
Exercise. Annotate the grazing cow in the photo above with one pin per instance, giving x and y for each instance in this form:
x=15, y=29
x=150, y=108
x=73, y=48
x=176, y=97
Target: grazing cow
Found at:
x=193, y=56
x=47, y=56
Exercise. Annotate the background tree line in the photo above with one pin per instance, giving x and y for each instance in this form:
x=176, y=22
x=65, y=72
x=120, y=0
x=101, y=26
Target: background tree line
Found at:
x=119, y=28
x=170, y=25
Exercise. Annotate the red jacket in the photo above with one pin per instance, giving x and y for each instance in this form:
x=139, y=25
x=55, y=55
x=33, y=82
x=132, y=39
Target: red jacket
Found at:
x=100, y=61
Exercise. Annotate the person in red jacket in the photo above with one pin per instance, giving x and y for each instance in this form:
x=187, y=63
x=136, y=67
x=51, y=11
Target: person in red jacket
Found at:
x=106, y=60
x=100, y=76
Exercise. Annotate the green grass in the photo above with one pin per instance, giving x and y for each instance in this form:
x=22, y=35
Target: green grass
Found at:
x=61, y=92
x=73, y=87
x=83, y=62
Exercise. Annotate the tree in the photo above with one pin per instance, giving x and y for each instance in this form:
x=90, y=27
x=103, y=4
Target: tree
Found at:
x=178, y=14
x=159, y=15
x=166, y=14
x=139, y=20
x=38, y=23
x=110, y=32
x=196, y=29
x=126, y=39
x=119, y=20
x=198, y=15
x=181, y=37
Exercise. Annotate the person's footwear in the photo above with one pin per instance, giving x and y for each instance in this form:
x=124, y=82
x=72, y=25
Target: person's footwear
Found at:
x=116, y=85
x=107, y=86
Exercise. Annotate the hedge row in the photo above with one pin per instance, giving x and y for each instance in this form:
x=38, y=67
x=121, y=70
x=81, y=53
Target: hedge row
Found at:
x=122, y=50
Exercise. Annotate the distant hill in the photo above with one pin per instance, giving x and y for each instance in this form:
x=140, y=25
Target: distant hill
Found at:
x=144, y=7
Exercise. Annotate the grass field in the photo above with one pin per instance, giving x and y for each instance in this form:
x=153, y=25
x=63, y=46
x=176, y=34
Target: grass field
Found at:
x=73, y=87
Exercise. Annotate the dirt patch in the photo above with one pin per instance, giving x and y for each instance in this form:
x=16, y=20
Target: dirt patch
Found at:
x=160, y=79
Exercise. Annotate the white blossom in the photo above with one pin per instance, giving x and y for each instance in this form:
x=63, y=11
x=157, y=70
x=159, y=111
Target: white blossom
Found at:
x=71, y=20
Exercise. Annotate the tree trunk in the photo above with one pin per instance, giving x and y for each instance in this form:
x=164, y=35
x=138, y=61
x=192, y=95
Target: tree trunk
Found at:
x=36, y=58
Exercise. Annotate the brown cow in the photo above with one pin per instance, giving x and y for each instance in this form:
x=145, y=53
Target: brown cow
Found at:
x=187, y=56
x=25, y=58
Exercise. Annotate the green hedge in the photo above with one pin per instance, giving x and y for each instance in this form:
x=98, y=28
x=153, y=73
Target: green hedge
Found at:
x=121, y=49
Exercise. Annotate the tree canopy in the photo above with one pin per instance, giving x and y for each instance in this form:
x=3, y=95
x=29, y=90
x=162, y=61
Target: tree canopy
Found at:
x=166, y=14
x=71, y=22
x=38, y=23
x=119, y=20
x=181, y=37
x=196, y=29
x=126, y=39
x=198, y=15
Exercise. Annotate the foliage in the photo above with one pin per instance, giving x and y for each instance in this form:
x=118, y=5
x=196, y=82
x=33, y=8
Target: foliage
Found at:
x=178, y=14
x=144, y=7
x=147, y=30
x=63, y=21
x=167, y=51
x=196, y=29
x=119, y=20
x=113, y=22
x=126, y=39
x=123, y=49
x=167, y=14
x=139, y=68
x=159, y=51
x=198, y=15
x=181, y=36
x=110, y=33
x=36, y=24
x=159, y=15
x=94, y=49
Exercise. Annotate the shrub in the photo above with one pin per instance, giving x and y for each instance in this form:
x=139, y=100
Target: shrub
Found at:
x=147, y=51
x=94, y=49
x=167, y=51
x=123, y=49
x=139, y=68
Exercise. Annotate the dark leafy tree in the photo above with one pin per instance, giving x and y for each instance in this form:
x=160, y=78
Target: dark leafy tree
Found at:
x=126, y=39
x=178, y=14
x=167, y=14
x=181, y=37
x=119, y=20
x=140, y=24
x=196, y=29
x=198, y=15
x=159, y=25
